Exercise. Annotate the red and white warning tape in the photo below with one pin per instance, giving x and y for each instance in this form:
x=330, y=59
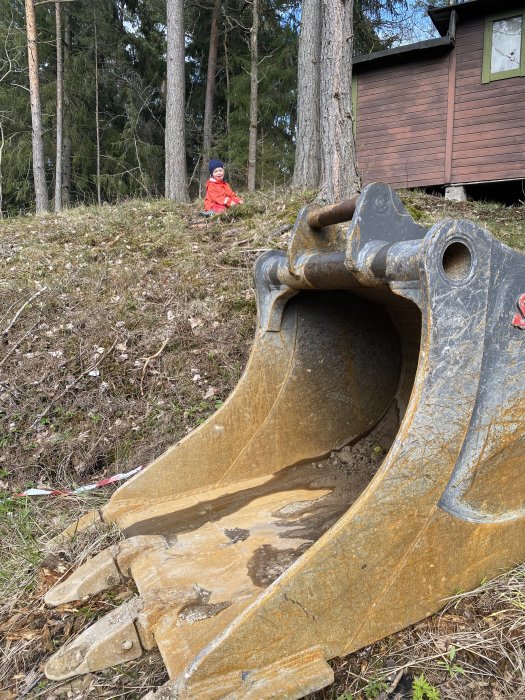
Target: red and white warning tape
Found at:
x=88, y=487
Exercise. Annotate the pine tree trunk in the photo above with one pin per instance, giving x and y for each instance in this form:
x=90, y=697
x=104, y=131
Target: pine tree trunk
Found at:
x=307, y=169
x=66, y=163
x=210, y=91
x=66, y=175
x=228, y=98
x=39, y=175
x=97, y=119
x=175, y=135
x=339, y=177
x=60, y=110
x=2, y=142
x=254, y=86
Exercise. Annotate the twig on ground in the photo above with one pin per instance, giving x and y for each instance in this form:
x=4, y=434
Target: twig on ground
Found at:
x=243, y=241
x=69, y=387
x=148, y=360
x=21, y=309
x=18, y=342
x=384, y=695
x=282, y=229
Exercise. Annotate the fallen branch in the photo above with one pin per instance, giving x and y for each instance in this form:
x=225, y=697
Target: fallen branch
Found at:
x=18, y=342
x=21, y=309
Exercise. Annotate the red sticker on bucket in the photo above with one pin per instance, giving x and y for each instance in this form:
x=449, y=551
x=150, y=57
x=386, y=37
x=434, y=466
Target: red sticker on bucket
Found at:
x=519, y=319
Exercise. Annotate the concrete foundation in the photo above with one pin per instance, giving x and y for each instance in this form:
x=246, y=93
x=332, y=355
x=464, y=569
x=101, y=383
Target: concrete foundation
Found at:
x=456, y=193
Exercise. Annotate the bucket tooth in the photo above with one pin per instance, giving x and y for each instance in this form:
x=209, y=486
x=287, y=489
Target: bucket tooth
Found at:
x=106, y=569
x=96, y=575
x=255, y=562
x=110, y=641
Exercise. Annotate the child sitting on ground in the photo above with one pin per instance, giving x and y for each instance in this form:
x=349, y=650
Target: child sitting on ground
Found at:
x=219, y=195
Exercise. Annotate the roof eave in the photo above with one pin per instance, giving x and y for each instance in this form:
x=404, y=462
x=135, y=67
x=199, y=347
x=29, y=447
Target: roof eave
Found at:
x=440, y=16
x=408, y=51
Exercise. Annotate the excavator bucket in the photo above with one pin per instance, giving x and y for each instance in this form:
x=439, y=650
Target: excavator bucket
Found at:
x=256, y=560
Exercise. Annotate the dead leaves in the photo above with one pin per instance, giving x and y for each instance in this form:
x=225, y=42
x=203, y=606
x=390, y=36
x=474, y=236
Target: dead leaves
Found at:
x=7, y=695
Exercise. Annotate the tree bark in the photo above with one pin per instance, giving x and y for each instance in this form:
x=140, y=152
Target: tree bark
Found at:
x=66, y=163
x=210, y=91
x=307, y=169
x=2, y=142
x=176, y=185
x=60, y=110
x=97, y=119
x=39, y=175
x=339, y=176
x=254, y=86
x=228, y=99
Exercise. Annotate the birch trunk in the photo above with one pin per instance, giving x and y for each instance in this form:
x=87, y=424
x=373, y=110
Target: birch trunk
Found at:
x=254, y=86
x=339, y=177
x=39, y=175
x=210, y=91
x=307, y=169
x=60, y=110
x=176, y=185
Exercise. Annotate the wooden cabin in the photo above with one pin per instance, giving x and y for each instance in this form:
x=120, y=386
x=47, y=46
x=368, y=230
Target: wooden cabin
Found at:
x=450, y=110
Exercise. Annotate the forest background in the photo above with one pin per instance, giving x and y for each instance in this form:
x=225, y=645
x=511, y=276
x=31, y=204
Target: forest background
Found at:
x=110, y=69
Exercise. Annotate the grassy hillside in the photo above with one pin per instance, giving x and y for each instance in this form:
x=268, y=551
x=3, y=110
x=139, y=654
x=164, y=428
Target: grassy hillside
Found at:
x=122, y=328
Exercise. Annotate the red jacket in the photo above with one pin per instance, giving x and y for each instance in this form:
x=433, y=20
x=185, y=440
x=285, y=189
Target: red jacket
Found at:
x=219, y=196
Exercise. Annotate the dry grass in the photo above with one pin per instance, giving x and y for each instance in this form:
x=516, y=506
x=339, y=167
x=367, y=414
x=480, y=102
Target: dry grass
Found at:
x=124, y=327
x=127, y=306
x=505, y=223
x=28, y=630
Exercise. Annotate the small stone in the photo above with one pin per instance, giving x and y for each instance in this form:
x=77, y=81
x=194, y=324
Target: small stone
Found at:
x=127, y=645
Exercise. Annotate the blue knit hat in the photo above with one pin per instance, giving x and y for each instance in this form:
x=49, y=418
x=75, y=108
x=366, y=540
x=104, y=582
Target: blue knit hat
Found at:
x=214, y=164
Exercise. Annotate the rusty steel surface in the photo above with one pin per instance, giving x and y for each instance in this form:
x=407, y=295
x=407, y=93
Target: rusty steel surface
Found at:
x=254, y=563
x=332, y=214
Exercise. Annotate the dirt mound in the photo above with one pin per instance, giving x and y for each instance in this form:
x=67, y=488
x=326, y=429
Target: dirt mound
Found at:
x=122, y=328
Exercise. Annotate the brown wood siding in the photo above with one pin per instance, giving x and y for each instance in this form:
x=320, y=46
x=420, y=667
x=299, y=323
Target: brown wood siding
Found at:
x=401, y=123
x=489, y=119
